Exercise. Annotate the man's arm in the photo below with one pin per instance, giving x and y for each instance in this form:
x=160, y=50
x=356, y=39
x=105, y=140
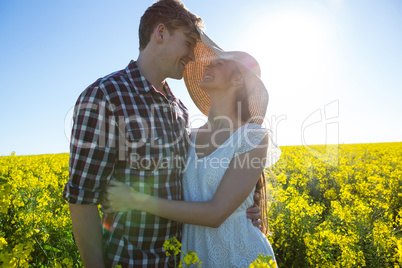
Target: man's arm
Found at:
x=91, y=164
x=88, y=234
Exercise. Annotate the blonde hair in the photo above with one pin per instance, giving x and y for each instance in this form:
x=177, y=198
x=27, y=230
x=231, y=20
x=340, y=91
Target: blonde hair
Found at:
x=261, y=186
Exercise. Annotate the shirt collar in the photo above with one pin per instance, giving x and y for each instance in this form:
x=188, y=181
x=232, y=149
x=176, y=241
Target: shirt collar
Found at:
x=169, y=94
x=142, y=85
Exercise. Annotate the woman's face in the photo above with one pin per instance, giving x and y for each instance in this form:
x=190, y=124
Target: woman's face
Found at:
x=218, y=75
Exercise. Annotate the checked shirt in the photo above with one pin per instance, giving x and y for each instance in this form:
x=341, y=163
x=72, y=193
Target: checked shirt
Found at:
x=124, y=129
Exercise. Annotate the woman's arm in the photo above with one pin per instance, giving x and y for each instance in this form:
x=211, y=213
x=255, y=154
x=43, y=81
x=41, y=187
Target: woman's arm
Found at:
x=236, y=184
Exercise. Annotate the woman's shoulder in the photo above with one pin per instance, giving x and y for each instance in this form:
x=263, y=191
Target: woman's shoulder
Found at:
x=250, y=136
x=254, y=126
x=252, y=129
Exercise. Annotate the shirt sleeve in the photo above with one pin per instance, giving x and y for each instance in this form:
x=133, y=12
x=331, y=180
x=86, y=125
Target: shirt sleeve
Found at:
x=251, y=139
x=92, y=150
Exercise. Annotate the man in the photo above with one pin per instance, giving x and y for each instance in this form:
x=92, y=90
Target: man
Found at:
x=130, y=127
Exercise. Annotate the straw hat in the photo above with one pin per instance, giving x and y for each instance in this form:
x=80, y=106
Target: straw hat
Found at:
x=205, y=51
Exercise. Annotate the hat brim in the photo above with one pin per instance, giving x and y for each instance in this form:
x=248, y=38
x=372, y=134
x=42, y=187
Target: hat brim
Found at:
x=205, y=51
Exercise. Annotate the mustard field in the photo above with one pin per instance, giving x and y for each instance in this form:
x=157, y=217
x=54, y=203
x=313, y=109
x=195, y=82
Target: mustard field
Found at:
x=338, y=206
x=330, y=206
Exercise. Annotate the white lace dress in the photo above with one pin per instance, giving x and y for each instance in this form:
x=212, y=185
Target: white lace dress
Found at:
x=236, y=243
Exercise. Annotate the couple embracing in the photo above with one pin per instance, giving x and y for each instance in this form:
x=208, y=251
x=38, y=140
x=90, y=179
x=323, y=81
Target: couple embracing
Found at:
x=132, y=117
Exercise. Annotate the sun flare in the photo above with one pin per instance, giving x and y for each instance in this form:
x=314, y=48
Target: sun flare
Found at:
x=292, y=47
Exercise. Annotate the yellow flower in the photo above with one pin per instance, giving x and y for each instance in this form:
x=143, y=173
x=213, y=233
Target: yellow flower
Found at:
x=187, y=259
x=172, y=245
x=263, y=261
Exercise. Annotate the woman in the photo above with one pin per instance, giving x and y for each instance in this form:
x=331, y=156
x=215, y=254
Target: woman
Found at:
x=225, y=162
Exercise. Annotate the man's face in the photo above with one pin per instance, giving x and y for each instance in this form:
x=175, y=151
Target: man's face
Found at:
x=178, y=50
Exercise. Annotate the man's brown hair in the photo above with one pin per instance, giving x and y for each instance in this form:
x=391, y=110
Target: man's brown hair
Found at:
x=173, y=14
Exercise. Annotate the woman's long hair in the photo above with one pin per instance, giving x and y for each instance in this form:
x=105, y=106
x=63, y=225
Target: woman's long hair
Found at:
x=261, y=186
x=261, y=189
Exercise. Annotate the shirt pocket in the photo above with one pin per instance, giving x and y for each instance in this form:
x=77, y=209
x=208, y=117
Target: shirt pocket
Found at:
x=148, y=149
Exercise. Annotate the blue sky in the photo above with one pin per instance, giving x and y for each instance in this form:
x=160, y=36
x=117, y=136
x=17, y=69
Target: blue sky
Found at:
x=332, y=67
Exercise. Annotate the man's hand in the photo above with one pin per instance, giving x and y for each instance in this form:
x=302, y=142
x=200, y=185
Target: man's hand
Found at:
x=253, y=212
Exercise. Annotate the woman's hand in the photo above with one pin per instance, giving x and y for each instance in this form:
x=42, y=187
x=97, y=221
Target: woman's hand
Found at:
x=120, y=197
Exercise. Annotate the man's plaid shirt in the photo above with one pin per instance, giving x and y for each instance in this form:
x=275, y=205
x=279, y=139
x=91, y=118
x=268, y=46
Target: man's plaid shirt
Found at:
x=125, y=129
